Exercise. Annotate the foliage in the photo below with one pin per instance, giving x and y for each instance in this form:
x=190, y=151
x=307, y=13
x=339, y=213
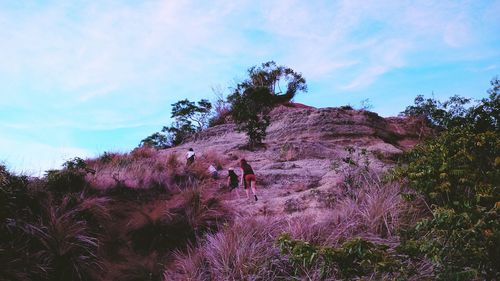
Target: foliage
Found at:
x=458, y=170
x=486, y=114
x=458, y=174
x=439, y=114
x=250, y=112
x=269, y=76
x=69, y=179
x=40, y=240
x=483, y=115
x=157, y=140
x=356, y=257
x=76, y=163
x=189, y=118
x=253, y=99
x=187, y=112
x=462, y=245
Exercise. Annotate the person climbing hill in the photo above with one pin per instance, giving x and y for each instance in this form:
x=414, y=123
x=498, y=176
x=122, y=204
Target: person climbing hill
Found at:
x=232, y=181
x=248, y=178
x=190, y=156
x=213, y=172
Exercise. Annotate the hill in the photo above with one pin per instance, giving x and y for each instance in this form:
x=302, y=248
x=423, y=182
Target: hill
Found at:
x=146, y=215
x=302, y=147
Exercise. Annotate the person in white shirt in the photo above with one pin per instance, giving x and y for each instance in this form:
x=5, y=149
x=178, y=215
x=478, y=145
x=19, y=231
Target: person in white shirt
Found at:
x=190, y=156
x=213, y=172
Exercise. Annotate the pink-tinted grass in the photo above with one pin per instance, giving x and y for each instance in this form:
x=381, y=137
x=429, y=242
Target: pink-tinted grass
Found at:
x=146, y=167
x=244, y=251
x=247, y=250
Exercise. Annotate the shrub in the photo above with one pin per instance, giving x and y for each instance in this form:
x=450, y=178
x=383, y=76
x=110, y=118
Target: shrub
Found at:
x=461, y=246
x=356, y=257
x=458, y=170
x=69, y=179
x=64, y=181
x=107, y=157
x=458, y=175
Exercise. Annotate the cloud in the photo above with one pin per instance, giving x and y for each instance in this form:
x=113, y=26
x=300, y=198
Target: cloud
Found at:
x=33, y=158
x=101, y=65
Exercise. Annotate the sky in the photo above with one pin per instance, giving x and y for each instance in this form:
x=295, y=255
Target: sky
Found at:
x=78, y=78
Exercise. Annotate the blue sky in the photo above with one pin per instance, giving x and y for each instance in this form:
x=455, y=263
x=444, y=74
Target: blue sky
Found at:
x=78, y=78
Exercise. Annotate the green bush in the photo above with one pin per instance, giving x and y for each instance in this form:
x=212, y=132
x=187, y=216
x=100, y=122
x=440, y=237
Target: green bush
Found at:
x=460, y=169
x=356, y=257
x=458, y=174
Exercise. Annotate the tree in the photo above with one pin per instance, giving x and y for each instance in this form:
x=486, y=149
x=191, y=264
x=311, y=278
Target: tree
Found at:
x=189, y=117
x=481, y=116
x=271, y=76
x=254, y=98
x=186, y=113
x=486, y=114
x=157, y=140
x=250, y=113
x=440, y=115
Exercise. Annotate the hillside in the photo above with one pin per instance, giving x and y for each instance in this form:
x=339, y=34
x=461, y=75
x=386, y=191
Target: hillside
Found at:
x=145, y=215
x=301, y=146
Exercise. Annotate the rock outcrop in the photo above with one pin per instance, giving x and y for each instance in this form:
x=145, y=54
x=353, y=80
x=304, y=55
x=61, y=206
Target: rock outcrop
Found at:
x=303, y=146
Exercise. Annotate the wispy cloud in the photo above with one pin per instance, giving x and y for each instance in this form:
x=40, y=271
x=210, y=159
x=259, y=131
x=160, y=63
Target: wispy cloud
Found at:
x=95, y=65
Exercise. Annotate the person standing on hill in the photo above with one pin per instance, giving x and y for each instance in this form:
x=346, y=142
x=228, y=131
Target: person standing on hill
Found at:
x=248, y=178
x=232, y=181
x=190, y=156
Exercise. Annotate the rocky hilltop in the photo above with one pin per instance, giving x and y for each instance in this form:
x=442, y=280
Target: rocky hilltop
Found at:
x=305, y=150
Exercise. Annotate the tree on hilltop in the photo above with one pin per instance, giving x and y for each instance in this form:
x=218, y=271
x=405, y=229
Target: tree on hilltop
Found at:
x=255, y=97
x=272, y=77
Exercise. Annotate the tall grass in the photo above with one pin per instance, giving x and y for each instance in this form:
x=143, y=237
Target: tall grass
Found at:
x=146, y=168
x=244, y=251
x=142, y=168
x=365, y=207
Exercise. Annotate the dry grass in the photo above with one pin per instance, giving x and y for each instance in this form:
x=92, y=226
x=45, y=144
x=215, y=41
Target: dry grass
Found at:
x=244, y=251
x=140, y=169
x=145, y=168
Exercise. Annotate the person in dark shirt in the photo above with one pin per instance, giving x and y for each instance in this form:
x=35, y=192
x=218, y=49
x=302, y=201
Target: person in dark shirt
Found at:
x=248, y=178
x=232, y=181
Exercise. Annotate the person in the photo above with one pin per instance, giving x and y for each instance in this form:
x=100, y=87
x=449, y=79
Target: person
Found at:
x=190, y=157
x=248, y=179
x=213, y=171
x=232, y=181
